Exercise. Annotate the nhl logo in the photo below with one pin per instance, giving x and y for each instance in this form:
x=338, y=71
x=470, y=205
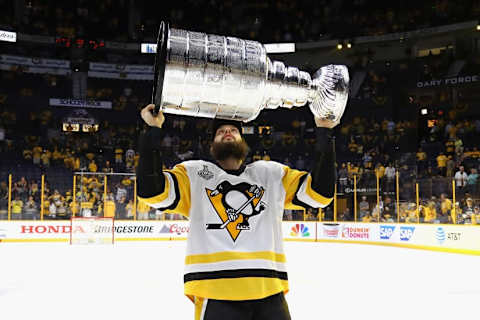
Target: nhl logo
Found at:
x=205, y=173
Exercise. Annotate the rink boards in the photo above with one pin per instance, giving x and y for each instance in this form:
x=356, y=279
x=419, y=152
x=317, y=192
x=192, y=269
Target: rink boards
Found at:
x=448, y=238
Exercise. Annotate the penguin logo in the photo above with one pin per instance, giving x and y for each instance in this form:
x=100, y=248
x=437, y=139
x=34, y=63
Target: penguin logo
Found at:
x=235, y=205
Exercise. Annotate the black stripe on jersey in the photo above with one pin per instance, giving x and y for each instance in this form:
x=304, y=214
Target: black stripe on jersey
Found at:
x=238, y=273
x=295, y=200
x=177, y=194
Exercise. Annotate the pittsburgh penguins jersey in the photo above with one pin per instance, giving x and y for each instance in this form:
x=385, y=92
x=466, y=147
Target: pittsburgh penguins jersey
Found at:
x=235, y=246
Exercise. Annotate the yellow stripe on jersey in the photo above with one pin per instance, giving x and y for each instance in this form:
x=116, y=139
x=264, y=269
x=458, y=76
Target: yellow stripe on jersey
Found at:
x=158, y=198
x=233, y=255
x=314, y=195
x=183, y=206
x=290, y=181
x=247, y=288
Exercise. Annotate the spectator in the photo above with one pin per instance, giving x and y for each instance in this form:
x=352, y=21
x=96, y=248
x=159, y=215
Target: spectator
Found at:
x=52, y=209
x=3, y=201
x=343, y=177
x=442, y=164
x=472, y=182
x=129, y=210
x=461, y=181
x=430, y=212
x=421, y=159
x=142, y=210
x=476, y=215
x=121, y=208
x=390, y=175
x=467, y=212
x=121, y=192
x=61, y=209
x=109, y=209
x=92, y=166
x=364, y=207
x=456, y=213
x=30, y=210
x=345, y=215
x=411, y=213
x=450, y=166
x=388, y=208
x=108, y=167
x=367, y=218
x=17, y=208
x=288, y=215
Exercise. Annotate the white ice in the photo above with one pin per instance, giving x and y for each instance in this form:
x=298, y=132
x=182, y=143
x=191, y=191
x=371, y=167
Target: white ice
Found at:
x=143, y=280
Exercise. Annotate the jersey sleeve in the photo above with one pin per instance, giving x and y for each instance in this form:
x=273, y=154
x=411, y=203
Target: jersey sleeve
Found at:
x=299, y=193
x=175, y=197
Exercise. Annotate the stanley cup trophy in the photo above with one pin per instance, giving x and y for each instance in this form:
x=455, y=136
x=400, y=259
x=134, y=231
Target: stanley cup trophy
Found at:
x=204, y=75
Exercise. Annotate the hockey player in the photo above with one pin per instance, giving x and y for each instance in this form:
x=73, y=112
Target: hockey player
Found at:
x=235, y=267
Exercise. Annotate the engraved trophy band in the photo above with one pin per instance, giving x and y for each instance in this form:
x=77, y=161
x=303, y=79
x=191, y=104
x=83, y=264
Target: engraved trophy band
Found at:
x=205, y=75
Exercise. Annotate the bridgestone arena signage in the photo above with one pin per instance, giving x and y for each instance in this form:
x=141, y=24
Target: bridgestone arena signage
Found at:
x=448, y=81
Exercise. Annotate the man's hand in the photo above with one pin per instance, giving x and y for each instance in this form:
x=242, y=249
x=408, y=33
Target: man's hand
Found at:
x=150, y=119
x=324, y=123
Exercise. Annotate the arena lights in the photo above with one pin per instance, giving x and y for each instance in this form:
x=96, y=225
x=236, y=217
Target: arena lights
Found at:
x=424, y=111
x=345, y=44
x=478, y=27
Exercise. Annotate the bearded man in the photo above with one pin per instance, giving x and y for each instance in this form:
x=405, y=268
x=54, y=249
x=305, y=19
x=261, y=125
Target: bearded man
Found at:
x=235, y=266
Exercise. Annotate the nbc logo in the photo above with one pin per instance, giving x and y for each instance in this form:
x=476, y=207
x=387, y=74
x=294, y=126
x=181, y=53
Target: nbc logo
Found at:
x=299, y=230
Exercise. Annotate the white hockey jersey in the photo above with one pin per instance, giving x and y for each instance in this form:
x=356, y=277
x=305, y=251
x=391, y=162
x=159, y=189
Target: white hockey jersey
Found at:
x=235, y=246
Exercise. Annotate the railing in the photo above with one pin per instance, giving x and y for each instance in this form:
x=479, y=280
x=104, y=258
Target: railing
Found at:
x=362, y=198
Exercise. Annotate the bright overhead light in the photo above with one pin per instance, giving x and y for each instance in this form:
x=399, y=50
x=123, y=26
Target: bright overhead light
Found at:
x=424, y=111
x=339, y=46
x=349, y=45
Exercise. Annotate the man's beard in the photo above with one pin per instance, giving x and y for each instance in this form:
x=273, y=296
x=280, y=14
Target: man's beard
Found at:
x=224, y=150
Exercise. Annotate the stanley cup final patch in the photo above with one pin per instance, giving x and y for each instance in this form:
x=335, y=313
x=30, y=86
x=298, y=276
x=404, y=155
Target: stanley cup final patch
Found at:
x=205, y=173
x=235, y=204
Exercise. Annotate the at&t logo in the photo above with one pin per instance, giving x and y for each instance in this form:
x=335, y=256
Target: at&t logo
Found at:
x=440, y=235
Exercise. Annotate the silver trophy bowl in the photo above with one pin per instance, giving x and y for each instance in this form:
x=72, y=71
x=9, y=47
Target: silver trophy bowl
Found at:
x=205, y=75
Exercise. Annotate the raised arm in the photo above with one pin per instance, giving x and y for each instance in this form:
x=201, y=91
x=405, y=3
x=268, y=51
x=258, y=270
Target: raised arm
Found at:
x=150, y=178
x=323, y=171
x=165, y=190
x=316, y=187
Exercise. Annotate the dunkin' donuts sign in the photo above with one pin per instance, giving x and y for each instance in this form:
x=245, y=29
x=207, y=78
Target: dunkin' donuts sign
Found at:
x=355, y=232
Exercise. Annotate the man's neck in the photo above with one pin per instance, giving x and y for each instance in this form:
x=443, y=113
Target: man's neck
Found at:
x=230, y=164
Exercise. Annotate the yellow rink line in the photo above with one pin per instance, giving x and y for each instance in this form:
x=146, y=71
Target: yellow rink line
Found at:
x=398, y=245
x=406, y=245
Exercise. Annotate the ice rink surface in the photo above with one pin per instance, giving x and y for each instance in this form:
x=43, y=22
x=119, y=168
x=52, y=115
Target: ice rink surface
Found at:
x=143, y=280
